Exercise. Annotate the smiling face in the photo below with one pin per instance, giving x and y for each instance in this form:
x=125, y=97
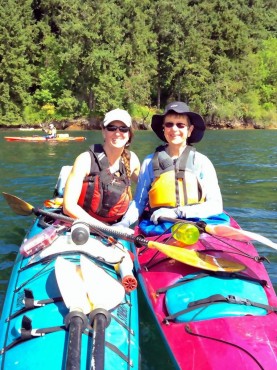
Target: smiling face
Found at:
x=115, y=138
x=177, y=129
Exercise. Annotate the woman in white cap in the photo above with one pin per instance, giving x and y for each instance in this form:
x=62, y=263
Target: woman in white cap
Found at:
x=176, y=181
x=98, y=187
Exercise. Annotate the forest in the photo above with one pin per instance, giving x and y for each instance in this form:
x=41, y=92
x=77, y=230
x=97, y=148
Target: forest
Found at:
x=69, y=59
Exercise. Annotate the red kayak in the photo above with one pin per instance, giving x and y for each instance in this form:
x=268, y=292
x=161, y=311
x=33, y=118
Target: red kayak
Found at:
x=64, y=138
x=212, y=319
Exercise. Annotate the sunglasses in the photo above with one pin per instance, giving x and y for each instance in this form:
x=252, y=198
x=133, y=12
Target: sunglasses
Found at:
x=171, y=124
x=112, y=128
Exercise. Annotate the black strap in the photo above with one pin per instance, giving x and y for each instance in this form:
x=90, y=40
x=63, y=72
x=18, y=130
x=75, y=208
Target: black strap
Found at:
x=186, y=163
x=31, y=303
x=218, y=298
x=220, y=274
x=161, y=161
x=28, y=333
x=119, y=353
x=179, y=283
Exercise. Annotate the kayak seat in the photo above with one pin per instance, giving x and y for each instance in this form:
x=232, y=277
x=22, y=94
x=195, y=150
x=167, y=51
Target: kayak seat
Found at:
x=204, y=298
x=64, y=173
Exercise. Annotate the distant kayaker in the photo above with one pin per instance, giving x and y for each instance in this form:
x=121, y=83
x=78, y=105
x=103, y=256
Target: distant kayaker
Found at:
x=98, y=187
x=176, y=181
x=51, y=131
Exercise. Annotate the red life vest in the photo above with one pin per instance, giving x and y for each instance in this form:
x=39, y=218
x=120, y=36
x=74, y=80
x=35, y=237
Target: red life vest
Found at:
x=105, y=196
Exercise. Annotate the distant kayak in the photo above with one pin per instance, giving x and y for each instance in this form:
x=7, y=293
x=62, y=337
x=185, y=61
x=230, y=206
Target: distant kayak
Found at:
x=39, y=139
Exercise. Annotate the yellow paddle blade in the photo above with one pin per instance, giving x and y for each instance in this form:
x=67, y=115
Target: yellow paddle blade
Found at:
x=72, y=286
x=18, y=205
x=197, y=259
x=103, y=290
x=238, y=234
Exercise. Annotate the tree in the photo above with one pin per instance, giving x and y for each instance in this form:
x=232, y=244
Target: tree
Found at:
x=16, y=47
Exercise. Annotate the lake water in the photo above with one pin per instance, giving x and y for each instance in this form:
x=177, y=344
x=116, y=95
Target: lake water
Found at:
x=245, y=162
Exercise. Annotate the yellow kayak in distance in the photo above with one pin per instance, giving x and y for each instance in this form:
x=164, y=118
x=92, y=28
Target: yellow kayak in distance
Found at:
x=43, y=139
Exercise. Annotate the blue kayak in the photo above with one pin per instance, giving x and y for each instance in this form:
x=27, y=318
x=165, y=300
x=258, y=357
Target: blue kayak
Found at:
x=62, y=298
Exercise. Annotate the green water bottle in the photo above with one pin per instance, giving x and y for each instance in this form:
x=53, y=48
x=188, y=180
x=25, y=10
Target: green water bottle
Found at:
x=185, y=233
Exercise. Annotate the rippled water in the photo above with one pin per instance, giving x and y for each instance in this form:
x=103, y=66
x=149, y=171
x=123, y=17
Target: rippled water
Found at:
x=246, y=166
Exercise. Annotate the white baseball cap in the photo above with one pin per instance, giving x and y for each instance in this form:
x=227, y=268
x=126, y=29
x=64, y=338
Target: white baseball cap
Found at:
x=117, y=115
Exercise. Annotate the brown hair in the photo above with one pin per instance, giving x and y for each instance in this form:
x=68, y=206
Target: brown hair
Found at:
x=126, y=158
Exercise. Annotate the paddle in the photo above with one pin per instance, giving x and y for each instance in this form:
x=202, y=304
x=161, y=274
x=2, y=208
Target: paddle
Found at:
x=225, y=231
x=75, y=298
x=190, y=257
x=87, y=289
x=105, y=293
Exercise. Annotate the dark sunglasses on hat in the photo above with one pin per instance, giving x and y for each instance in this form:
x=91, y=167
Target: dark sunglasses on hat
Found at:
x=113, y=128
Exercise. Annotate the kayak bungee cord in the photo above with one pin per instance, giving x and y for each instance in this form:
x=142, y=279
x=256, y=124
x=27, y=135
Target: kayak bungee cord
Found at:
x=189, y=331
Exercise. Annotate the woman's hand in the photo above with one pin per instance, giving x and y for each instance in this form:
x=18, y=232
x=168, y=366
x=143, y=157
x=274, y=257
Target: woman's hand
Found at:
x=164, y=212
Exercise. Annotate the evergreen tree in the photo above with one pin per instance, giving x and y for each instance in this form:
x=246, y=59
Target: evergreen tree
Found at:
x=16, y=59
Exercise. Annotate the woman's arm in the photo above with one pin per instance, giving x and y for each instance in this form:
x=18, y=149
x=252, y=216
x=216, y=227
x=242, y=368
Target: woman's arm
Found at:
x=213, y=203
x=73, y=187
x=134, y=166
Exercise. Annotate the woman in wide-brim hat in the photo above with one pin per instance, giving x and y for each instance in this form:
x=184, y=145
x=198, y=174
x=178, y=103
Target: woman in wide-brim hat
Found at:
x=176, y=181
x=180, y=108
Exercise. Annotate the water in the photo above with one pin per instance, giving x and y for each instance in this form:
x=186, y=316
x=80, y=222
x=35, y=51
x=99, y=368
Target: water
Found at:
x=246, y=166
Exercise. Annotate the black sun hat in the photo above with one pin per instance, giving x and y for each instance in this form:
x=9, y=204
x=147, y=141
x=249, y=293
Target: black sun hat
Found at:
x=179, y=107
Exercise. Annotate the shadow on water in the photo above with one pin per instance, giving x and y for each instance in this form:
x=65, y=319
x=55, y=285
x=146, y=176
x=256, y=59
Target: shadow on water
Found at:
x=246, y=166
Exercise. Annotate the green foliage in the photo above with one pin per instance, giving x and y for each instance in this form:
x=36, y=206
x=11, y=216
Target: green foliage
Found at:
x=141, y=113
x=85, y=57
x=67, y=104
x=31, y=115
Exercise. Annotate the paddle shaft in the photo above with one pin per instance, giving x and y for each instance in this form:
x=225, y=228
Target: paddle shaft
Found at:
x=98, y=342
x=25, y=209
x=225, y=231
x=100, y=319
x=180, y=254
x=105, y=229
x=73, y=359
x=76, y=322
x=200, y=224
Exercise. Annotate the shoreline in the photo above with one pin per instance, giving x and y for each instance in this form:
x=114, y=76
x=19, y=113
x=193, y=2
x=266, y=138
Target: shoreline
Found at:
x=94, y=124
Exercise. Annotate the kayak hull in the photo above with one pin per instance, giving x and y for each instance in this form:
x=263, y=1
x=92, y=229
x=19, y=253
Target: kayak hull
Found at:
x=199, y=333
x=34, y=335
x=42, y=139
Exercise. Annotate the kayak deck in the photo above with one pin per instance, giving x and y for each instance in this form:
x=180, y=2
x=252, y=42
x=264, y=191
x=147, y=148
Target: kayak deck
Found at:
x=207, y=319
x=33, y=331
